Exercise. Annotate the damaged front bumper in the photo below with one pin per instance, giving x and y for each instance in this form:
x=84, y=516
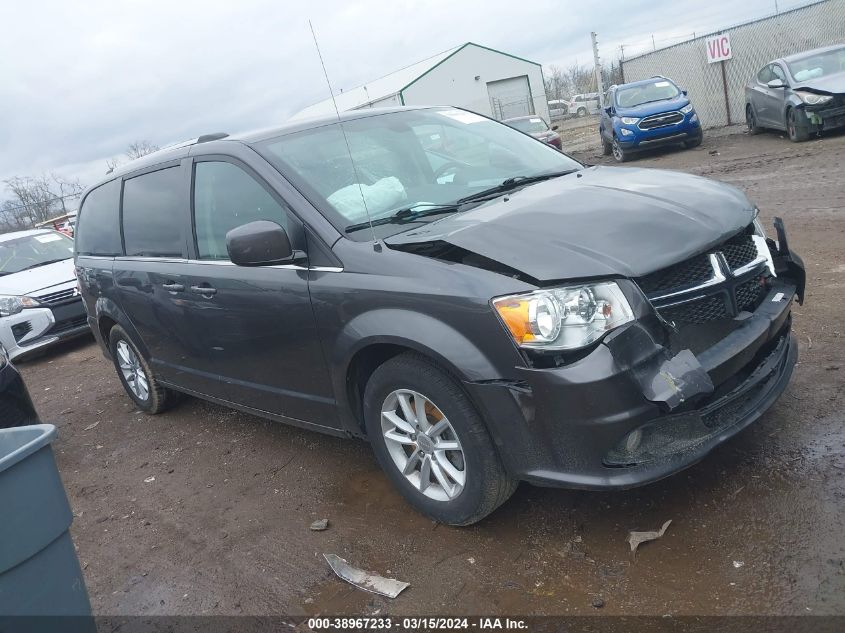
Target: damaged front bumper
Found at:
x=827, y=116
x=630, y=413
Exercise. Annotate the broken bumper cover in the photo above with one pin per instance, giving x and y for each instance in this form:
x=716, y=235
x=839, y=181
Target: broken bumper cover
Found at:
x=571, y=426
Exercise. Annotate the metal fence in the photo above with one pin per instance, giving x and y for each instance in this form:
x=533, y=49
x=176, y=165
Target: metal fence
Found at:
x=753, y=44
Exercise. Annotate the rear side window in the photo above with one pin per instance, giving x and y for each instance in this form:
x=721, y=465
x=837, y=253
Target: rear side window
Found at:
x=226, y=197
x=98, y=231
x=153, y=210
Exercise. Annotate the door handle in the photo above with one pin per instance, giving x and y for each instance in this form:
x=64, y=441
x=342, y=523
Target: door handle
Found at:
x=206, y=291
x=172, y=286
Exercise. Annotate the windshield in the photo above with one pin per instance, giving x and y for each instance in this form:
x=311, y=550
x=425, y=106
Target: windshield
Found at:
x=658, y=90
x=529, y=126
x=408, y=159
x=31, y=251
x=821, y=65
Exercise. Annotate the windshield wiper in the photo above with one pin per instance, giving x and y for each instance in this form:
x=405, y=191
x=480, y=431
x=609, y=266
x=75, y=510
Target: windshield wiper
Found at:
x=44, y=263
x=404, y=216
x=512, y=183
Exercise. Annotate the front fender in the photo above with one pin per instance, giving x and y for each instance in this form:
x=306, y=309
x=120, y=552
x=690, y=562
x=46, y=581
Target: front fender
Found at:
x=423, y=333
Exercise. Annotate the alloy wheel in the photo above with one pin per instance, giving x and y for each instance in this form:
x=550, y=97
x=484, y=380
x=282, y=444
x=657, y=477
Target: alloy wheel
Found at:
x=423, y=445
x=617, y=151
x=133, y=372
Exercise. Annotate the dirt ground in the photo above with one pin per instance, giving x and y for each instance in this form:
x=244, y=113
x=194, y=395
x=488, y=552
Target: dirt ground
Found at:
x=757, y=527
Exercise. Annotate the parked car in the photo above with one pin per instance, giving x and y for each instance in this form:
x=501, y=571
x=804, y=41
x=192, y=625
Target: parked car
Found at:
x=16, y=407
x=584, y=104
x=535, y=126
x=647, y=114
x=40, y=303
x=507, y=315
x=801, y=94
x=558, y=108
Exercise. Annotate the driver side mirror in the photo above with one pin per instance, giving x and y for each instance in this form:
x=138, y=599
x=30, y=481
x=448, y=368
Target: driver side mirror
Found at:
x=776, y=83
x=609, y=110
x=260, y=243
x=554, y=128
x=684, y=92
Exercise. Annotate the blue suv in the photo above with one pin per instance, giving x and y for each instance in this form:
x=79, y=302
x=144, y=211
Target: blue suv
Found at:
x=646, y=114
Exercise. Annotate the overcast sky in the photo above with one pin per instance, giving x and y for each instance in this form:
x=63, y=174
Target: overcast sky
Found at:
x=79, y=81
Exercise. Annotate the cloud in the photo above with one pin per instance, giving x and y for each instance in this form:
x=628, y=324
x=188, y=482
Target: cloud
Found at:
x=80, y=81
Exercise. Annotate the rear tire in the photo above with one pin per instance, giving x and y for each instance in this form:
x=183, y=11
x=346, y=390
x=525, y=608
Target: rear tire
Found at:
x=751, y=121
x=408, y=397
x=582, y=112
x=797, y=129
x=137, y=377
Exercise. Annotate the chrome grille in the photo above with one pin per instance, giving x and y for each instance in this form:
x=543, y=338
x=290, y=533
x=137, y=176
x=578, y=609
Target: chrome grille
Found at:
x=660, y=120
x=711, y=286
x=59, y=296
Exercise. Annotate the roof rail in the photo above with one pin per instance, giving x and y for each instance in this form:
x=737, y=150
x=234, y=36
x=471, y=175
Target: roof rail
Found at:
x=216, y=136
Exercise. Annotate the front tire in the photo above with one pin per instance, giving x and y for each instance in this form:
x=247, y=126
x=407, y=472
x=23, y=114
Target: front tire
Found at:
x=694, y=142
x=606, y=148
x=431, y=443
x=582, y=112
x=137, y=377
x=619, y=154
x=797, y=130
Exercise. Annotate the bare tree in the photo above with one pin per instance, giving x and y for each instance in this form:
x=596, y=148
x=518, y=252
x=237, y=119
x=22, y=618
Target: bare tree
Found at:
x=34, y=199
x=135, y=150
x=580, y=78
x=140, y=148
x=557, y=85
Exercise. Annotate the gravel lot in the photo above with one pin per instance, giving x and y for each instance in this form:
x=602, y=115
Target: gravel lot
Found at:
x=223, y=529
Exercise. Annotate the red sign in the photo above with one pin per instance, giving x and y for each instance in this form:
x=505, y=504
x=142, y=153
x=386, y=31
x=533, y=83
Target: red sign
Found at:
x=718, y=48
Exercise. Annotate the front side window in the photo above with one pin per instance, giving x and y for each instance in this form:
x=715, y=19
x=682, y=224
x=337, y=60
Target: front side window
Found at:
x=98, y=232
x=226, y=197
x=658, y=90
x=406, y=159
x=153, y=209
x=765, y=75
x=778, y=72
x=32, y=251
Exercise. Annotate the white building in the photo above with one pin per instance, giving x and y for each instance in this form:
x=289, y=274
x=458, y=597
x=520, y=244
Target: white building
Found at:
x=470, y=76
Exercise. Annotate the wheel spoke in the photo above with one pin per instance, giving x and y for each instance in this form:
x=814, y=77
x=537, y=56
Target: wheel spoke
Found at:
x=419, y=412
x=437, y=429
x=447, y=445
x=123, y=352
x=442, y=480
x=425, y=473
x=448, y=467
x=407, y=411
x=398, y=422
x=413, y=460
x=399, y=438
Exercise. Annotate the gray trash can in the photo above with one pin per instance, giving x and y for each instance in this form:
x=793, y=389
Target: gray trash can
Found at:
x=39, y=570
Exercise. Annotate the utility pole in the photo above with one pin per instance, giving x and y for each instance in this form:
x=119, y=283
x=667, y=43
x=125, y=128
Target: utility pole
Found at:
x=597, y=70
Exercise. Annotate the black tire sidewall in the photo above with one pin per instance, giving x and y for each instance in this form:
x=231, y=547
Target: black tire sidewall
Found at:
x=479, y=455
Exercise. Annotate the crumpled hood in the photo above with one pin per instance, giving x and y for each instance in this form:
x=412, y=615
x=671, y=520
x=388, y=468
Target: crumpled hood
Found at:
x=601, y=221
x=31, y=281
x=834, y=84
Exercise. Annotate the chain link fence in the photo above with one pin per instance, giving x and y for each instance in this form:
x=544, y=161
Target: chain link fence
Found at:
x=753, y=44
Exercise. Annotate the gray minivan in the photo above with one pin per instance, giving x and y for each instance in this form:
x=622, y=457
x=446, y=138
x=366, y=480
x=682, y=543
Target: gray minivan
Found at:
x=481, y=307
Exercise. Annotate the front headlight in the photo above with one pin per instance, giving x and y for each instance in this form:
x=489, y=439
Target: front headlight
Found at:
x=686, y=109
x=564, y=318
x=811, y=98
x=12, y=304
x=629, y=120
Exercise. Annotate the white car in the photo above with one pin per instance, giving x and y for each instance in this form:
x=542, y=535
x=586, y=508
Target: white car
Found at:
x=39, y=297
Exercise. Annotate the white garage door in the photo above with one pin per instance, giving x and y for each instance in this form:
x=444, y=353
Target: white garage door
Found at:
x=510, y=97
